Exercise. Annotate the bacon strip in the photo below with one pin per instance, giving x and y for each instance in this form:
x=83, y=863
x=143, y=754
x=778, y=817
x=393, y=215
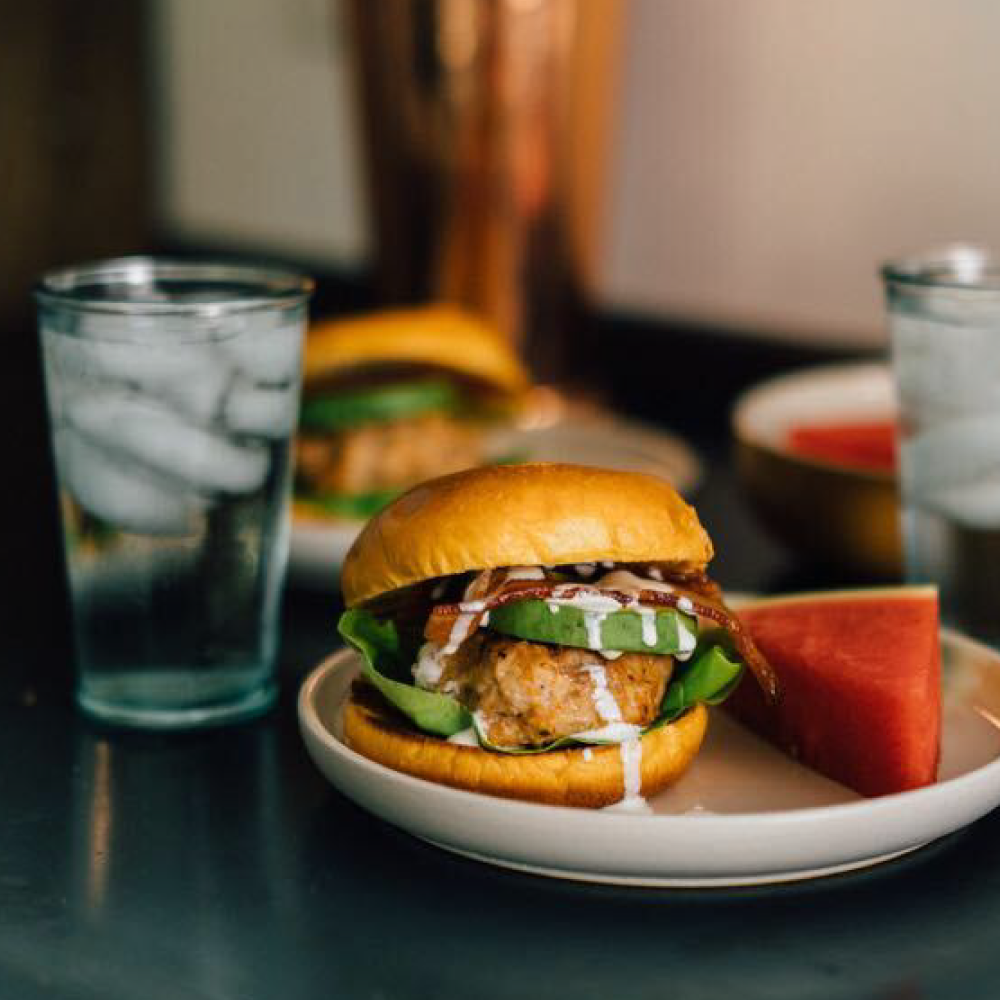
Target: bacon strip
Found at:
x=444, y=616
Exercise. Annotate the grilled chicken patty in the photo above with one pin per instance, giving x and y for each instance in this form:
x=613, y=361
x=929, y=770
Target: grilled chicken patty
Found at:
x=387, y=456
x=528, y=693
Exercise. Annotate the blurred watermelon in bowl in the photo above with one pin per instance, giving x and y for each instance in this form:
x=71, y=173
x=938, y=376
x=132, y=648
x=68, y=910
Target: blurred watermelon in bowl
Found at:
x=815, y=455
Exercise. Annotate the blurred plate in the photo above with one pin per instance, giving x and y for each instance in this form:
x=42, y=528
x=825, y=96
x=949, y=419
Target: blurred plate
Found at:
x=841, y=514
x=319, y=544
x=744, y=813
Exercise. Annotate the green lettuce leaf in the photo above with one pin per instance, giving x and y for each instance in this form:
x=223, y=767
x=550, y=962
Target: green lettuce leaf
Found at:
x=384, y=660
x=710, y=676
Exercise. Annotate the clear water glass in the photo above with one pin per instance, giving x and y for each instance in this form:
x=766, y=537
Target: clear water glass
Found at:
x=944, y=317
x=173, y=391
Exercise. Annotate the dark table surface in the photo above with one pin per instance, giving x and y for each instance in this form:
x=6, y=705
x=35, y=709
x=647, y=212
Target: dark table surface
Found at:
x=221, y=864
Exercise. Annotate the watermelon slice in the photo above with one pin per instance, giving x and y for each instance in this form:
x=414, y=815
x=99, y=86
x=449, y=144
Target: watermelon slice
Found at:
x=860, y=677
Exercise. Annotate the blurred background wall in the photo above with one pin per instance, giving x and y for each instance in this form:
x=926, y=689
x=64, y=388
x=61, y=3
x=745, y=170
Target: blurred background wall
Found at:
x=746, y=171
x=763, y=155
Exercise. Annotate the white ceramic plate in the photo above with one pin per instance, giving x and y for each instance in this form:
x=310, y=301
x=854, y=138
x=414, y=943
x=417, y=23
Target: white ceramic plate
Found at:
x=743, y=815
x=319, y=545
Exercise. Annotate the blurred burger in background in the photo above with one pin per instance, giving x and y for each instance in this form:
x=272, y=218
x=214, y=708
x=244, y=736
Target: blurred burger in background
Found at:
x=394, y=398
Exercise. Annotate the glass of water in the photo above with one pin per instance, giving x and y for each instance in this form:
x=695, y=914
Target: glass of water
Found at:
x=173, y=392
x=944, y=314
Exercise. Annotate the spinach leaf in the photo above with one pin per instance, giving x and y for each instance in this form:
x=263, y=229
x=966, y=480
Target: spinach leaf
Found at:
x=382, y=658
x=710, y=676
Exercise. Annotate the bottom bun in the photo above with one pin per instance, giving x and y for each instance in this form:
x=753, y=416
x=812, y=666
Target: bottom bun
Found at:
x=567, y=777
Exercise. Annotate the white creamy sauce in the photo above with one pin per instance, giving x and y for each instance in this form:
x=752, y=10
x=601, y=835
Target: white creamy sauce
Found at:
x=648, y=618
x=604, y=700
x=465, y=738
x=588, y=754
x=616, y=730
x=613, y=732
x=472, y=607
x=429, y=667
x=586, y=600
x=684, y=604
x=592, y=622
x=586, y=570
x=525, y=573
x=637, y=806
x=611, y=654
x=686, y=643
x=607, y=564
x=628, y=583
x=459, y=633
x=631, y=751
x=552, y=606
x=655, y=573
x=632, y=800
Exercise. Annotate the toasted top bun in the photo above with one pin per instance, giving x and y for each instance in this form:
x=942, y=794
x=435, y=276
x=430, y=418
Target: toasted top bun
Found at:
x=567, y=777
x=436, y=336
x=522, y=515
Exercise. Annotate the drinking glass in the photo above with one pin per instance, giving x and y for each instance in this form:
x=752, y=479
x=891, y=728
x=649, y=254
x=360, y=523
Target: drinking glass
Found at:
x=944, y=317
x=173, y=392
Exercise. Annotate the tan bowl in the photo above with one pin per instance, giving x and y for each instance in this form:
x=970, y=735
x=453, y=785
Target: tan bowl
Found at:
x=843, y=516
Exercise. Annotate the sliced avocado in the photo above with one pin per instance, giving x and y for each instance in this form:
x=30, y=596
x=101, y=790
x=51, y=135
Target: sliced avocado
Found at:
x=539, y=621
x=379, y=404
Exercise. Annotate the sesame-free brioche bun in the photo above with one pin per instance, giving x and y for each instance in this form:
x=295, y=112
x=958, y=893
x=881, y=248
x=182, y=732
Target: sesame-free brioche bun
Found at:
x=568, y=777
x=439, y=337
x=522, y=515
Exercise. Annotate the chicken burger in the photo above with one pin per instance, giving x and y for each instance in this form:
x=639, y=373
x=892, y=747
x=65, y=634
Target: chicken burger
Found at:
x=395, y=398
x=542, y=632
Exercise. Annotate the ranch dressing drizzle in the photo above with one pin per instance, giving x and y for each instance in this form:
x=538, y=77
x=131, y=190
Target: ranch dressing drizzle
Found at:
x=687, y=642
x=586, y=570
x=525, y=573
x=592, y=621
x=459, y=632
x=627, y=736
x=632, y=800
x=604, y=700
x=655, y=573
x=429, y=667
x=628, y=583
x=612, y=732
x=648, y=618
x=584, y=600
x=465, y=738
